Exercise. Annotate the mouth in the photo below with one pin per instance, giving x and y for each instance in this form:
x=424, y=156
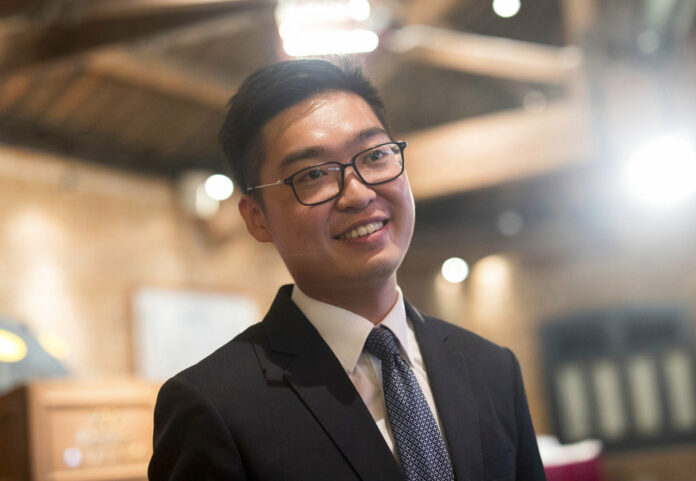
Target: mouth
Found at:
x=363, y=230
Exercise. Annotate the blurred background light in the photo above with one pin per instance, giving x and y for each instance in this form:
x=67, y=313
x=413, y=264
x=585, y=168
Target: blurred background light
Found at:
x=55, y=345
x=290, y=12
x=359, y=9
x=72, y=457
x=510, y=223
x=492, y=272
x=663, y=171
x=204, y=206
x=194, y=196
x=648, y=41
x=506, y=8
x=455, y=270
x=534, y=102
x=324, y=28
x=219, y=187
x=300, y=43
x=12, y=347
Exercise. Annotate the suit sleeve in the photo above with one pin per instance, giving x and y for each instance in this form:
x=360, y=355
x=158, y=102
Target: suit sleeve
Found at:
x=529, y=465
x=191, y=442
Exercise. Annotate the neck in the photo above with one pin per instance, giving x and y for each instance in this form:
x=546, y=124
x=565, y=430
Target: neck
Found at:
x=373, y=302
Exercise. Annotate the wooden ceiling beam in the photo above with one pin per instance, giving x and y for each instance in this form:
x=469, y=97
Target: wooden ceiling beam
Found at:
x=27, y=40
x=160, y=77
x=169, y=78
x=498, y=148
x=428, y=13
x=121, y=9
x=484, y=55
x=579, y=16
x=70, y=12
x=16, y=7
x=35, y=45
x=219, y=27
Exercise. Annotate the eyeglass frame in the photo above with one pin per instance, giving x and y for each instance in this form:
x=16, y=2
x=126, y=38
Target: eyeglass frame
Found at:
x=290, y=179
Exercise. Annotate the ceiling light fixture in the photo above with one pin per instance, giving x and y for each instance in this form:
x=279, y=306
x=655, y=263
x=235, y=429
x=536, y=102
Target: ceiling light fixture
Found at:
x=662, y=172
x=325, y=27
x=12, y=347
x=219, y=187
x=455, y=270
x=506, y=8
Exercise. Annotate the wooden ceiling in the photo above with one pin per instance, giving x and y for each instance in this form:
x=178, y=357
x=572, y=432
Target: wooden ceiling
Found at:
x=142, y=84
x=150, y=101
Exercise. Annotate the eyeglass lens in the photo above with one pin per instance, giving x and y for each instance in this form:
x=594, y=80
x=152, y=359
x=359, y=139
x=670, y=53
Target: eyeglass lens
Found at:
x=321, y=182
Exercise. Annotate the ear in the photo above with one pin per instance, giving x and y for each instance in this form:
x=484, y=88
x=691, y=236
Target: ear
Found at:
x=255, y=218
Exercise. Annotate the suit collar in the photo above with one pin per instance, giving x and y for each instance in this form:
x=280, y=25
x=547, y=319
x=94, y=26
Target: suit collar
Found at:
x=286, y=328
x=346, y=332
x=299, y=357
x=452, y=387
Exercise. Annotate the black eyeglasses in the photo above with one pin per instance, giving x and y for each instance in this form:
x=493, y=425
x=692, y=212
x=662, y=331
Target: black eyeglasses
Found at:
x=322, y=182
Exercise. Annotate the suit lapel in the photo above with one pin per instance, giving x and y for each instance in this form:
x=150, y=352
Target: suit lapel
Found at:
x=451, y=384
x=298, y=356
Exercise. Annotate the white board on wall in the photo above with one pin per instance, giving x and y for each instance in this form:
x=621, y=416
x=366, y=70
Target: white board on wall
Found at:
x=173, y=329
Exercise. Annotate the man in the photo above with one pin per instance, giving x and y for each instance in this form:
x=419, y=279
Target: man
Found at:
x=343, y=379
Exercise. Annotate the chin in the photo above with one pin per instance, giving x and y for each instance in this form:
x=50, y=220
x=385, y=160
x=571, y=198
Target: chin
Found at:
x=378, y=268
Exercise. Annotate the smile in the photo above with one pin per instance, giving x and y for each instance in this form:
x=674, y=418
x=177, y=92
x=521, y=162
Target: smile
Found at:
x=362, y=231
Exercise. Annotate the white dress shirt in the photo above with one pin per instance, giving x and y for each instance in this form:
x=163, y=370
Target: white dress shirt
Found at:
x=346, y=332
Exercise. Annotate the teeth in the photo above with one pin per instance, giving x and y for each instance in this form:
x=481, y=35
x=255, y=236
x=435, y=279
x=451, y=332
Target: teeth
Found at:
x=363, y=230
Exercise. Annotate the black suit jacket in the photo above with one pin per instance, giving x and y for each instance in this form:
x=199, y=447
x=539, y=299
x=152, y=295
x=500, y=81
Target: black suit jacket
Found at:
x=275, y=404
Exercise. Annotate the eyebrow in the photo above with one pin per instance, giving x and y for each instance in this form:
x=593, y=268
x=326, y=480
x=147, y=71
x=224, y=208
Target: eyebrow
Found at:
x=317, y=151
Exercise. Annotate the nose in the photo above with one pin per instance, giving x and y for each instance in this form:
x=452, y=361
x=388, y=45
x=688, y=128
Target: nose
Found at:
x=355, y=195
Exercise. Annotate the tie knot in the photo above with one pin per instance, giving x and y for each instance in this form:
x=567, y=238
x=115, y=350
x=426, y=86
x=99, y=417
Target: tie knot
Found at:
x=382, y=344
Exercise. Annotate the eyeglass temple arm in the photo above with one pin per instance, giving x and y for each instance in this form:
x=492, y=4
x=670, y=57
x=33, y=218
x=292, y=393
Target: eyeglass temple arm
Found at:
x=249, y=189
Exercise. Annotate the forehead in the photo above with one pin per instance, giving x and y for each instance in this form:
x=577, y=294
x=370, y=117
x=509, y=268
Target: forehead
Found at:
x=330, y=120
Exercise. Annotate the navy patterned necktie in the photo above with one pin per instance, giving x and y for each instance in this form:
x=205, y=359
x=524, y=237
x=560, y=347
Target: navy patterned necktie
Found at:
x=418, y=440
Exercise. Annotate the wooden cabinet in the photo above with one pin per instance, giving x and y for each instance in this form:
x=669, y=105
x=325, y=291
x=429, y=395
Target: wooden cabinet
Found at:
x=77, y=431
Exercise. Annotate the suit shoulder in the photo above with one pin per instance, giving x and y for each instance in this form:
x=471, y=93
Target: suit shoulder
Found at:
x=494, y=368
x=468, y=342
x=233, y=359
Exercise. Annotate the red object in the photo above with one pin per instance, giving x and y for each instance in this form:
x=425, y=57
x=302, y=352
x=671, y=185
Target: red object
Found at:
x=583, y=471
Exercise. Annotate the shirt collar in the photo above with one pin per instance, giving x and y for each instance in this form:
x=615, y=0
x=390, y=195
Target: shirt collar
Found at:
x=346, y=332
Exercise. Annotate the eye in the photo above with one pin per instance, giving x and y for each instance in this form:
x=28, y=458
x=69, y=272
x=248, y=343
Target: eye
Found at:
x=315, y=173
x=376, y=155
x=312, y=174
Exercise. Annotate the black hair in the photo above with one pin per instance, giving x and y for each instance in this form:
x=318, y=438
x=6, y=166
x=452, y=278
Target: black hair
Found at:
x=274, y=88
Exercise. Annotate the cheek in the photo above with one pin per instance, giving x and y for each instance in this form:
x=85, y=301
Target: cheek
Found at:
x=304, y=227
x=402, y=199
x=407, y=190
x=404, y=207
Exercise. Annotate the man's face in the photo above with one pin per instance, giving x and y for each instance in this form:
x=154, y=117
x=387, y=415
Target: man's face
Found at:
x=313, y=240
